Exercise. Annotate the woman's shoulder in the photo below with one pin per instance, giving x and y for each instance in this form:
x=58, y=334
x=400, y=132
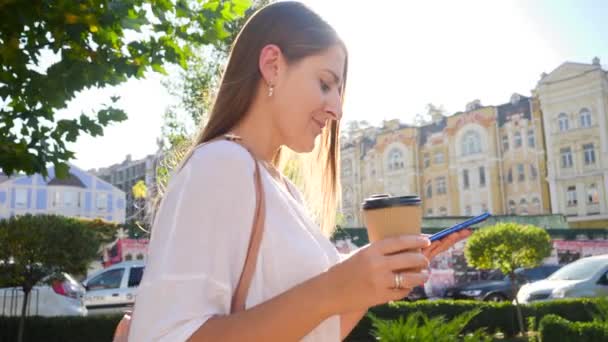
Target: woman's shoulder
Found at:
x=222, y=154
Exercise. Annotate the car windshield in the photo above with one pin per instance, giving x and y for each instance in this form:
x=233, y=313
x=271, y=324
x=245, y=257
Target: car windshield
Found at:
x=579, y=270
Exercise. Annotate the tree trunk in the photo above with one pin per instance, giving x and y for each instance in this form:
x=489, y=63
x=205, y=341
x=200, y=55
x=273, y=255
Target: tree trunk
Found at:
x=26, y=296
x=520, y=316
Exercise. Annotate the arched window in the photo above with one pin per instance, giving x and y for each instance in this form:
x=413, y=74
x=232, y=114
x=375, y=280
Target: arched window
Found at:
x=585, y=118
x=536, y=205
x=512, y=207
x=523, y=206
x=471, y=143
x=348, y=197
x=347, y=167
x=517, y=139
x=395, y=159
x=563, y=122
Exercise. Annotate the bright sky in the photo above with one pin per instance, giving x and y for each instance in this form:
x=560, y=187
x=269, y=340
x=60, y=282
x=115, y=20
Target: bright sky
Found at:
x=403, y=55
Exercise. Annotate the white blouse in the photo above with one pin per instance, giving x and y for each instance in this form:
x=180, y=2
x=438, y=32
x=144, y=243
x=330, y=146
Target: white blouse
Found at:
x=199, y=243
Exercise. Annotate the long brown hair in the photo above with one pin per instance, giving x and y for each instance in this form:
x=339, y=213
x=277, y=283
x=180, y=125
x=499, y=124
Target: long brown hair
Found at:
x=298, y=32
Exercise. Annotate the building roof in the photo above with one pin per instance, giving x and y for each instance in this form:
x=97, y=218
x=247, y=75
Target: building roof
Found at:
x=507, y=110
x=71, y=180
x=432, y=128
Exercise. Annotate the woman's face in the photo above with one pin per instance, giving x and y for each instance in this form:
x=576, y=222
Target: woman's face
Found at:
x=307, y=97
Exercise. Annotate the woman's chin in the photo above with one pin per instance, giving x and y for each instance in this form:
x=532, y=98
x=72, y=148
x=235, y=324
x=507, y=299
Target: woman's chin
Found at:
x=304, y=146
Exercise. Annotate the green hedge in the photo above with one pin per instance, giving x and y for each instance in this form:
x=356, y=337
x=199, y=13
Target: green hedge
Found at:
x=495, y=317
x=60, y=329
x=556, y=328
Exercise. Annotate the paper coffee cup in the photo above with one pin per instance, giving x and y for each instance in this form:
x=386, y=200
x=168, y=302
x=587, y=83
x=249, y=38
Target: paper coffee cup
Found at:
x=387, y=216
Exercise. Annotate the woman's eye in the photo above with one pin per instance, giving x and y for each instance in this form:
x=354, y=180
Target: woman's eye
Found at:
x=324, y=87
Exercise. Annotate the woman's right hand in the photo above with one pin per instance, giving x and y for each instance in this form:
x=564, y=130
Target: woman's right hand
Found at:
x=367, y=277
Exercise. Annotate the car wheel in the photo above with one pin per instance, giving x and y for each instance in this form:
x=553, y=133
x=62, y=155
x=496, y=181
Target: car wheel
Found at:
x=495, y=297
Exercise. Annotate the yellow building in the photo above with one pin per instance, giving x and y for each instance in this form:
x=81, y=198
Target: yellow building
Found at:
x=454, y=163
x=523, y=165
x=574, y=102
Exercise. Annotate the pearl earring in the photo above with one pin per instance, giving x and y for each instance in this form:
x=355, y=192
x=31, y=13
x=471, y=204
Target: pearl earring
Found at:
x=270, y=90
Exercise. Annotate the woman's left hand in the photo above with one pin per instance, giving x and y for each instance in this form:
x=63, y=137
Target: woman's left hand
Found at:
x=444, y=244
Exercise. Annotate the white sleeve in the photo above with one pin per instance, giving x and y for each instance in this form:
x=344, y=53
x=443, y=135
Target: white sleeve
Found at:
x=198, y=246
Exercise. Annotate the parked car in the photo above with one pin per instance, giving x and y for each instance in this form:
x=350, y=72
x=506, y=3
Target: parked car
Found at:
x=499, y=290
x=586, y=277
x=113, y=289
x=62, y=297
x=417, y=293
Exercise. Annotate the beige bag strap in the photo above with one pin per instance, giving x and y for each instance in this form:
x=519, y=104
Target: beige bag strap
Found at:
x=239, y=296
x=257, y=231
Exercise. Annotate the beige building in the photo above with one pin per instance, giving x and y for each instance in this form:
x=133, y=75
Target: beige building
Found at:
x=456, y=163
x=574, y=102
x=523, y=159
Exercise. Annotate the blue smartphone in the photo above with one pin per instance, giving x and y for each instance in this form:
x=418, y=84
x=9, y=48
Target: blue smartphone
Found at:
x=459, y=227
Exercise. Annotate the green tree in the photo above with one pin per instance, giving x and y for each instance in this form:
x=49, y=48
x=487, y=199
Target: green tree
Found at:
x=38, y=248
x=97, y=43
x=195, y=88
x=508, y=246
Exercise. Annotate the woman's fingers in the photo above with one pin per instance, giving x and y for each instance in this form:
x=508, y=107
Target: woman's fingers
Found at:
x=403, y=242
x=409, y=280
x=407, y=260
x=444, y=244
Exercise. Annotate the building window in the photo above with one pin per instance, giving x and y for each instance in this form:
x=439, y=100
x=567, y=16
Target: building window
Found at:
x=521, y=175
x=482, y=176
x=55, y=199
x=563, y=122
x=531, y=139
x=465, y=179
x=523, y=207
x=566, y=157
x=429, y=190
x=505, y=143
x=536, y=204
x=20, y=198
x=429, y=212
x=395, y=159
x=443, y=211
x=348, y=197
x=589, y=153
x=471, y=143
x=585, y=118
x=512, y=207
x=593, y=196
x=441, y=186
x=438, y=157
x=484, y=208
x=69, y=199
x=533, y=172
x=101, y=201
x=517, y=139
x=510, y=176
x=427, y=160
x=571, y=196
x=468, y=211
x=347, y=167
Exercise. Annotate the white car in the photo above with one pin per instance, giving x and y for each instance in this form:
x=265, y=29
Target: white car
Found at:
x=112, y=290
x=586, y=277
x=64, y=297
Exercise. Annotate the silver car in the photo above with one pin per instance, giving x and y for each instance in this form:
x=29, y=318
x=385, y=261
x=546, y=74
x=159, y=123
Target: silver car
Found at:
x=586, y=277
x=62, y=297
x=112, y=290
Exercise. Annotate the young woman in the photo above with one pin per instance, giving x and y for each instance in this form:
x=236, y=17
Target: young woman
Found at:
x=282, y=90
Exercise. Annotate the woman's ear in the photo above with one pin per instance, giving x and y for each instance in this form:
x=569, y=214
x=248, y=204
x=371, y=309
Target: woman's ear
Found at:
x=270, y=58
